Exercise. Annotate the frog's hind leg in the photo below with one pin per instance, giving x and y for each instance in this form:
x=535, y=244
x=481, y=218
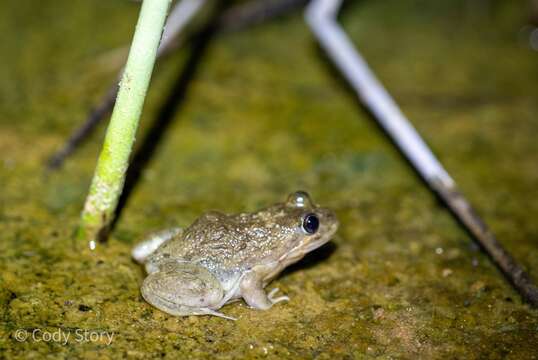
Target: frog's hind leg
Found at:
x=152, y=243
x=182, y=289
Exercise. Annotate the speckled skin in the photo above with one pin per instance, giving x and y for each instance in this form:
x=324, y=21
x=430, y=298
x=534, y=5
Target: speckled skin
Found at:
x=221, y=258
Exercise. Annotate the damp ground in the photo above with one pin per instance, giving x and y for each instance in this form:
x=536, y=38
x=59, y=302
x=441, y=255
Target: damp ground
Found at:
x=261, y=114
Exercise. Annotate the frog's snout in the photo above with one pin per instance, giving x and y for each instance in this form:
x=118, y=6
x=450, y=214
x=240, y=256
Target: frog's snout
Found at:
x=329, y=222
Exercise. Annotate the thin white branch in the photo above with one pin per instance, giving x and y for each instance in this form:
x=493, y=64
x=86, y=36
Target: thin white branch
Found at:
x=321, y=16
x=180, y=16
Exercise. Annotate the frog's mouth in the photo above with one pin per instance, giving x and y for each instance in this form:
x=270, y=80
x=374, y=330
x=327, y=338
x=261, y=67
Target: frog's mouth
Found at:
x=312, y=243
x=315, y=243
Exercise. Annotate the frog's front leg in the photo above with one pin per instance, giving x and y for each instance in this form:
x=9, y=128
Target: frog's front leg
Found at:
x=142, y=250
x=182, y=288
x=254, y=294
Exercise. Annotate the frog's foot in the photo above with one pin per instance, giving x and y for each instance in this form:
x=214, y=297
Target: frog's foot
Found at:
x=152, y=243
x=258, y=299
x=252, y=291
x=183, y=289
x=274, y=300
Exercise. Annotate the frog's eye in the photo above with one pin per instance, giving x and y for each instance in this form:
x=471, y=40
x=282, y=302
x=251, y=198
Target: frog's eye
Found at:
x=310, y=223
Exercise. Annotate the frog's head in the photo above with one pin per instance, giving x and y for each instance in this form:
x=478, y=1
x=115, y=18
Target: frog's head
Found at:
x=307, y=226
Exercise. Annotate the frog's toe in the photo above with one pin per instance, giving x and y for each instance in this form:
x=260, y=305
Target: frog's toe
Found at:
x=216, y=313
x=274, y=300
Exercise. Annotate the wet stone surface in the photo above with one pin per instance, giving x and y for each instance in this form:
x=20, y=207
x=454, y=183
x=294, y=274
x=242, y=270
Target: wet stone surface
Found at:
x=265, y=115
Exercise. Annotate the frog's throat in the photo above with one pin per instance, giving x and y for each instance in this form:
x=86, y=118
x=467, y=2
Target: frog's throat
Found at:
x=312, y=245
x=299, y=251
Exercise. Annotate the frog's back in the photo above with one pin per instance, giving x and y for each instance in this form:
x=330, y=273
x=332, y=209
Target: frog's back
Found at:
x=210, y=236
x=224, y=241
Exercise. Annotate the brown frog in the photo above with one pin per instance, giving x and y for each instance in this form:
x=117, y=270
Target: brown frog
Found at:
x=222, y=258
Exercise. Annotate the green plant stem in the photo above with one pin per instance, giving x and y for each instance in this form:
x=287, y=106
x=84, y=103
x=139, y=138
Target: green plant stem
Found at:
x=113, y=161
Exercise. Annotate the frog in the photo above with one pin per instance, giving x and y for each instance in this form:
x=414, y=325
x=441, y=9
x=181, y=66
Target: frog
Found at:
x=221, y=258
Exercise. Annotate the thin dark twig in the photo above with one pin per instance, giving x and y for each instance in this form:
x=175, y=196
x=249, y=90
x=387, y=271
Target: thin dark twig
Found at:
x=464, y=212
x=256, y=12
x=236, y=18
x=322, y=17
x=85, y=129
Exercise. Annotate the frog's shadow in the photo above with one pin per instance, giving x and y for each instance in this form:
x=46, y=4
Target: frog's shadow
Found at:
x=311, y=259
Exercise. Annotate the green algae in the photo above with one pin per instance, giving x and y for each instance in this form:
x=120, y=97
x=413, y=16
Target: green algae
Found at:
x=264, y=116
